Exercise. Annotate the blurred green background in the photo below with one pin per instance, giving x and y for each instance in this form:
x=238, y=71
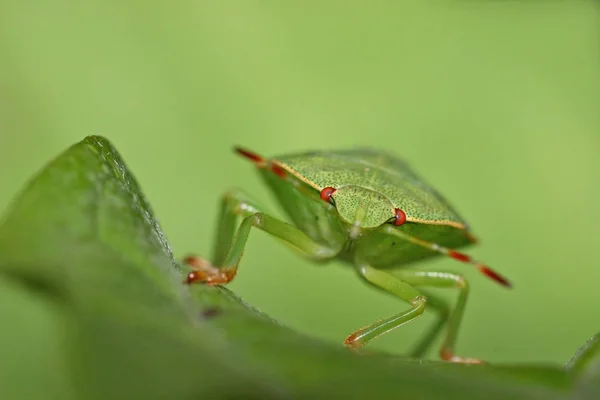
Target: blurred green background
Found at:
x=494, y=103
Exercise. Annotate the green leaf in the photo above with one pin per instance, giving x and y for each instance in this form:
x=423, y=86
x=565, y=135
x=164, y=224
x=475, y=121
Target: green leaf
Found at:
x=93, y=306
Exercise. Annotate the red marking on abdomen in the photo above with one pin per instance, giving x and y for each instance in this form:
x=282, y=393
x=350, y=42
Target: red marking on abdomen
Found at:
x=255, y=158
x=459, y=256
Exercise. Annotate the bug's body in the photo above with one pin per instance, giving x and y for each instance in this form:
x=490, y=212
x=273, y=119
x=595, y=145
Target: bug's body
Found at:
x=365, y=207
x=433, y=219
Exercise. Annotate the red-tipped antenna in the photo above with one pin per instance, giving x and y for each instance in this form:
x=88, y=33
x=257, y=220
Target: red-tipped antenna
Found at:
x=485, y=270
x=261, y=162
x=255, y=158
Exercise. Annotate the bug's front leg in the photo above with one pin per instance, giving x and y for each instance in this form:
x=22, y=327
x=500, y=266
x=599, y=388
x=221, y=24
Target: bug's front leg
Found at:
x=229, y=246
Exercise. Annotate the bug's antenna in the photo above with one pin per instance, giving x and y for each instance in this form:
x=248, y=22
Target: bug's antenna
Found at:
x=255, y=158
x=260, y=162
x=484, y=269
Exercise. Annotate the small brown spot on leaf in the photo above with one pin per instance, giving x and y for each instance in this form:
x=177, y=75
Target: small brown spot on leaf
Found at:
x=210, y=312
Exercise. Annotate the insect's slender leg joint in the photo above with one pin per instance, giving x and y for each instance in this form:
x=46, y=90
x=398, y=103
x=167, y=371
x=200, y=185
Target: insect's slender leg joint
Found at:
x=230, y=245
x=484, y=269
x=452, y=319
x=234, y=204
x=397, y=287
x=205, y=272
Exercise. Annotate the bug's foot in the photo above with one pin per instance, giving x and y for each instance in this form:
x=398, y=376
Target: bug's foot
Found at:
x=205, y=272
x=450, y=357
x=352, y=341
x=465, y=360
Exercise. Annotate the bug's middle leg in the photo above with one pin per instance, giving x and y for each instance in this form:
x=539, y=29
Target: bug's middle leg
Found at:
x=230, y=244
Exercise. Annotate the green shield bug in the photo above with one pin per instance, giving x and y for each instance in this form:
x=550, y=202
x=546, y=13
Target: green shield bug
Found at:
x=367, y=208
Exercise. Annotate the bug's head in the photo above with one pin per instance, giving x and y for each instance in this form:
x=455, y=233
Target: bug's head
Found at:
x=363, y=208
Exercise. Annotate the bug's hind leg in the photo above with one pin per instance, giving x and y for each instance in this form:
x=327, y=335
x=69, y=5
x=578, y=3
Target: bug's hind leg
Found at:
x=454, y=318
x=230, y=244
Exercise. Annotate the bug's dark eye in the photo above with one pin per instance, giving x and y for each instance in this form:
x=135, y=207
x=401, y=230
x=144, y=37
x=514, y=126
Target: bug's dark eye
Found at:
x=400, y=217
x=326, y=194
